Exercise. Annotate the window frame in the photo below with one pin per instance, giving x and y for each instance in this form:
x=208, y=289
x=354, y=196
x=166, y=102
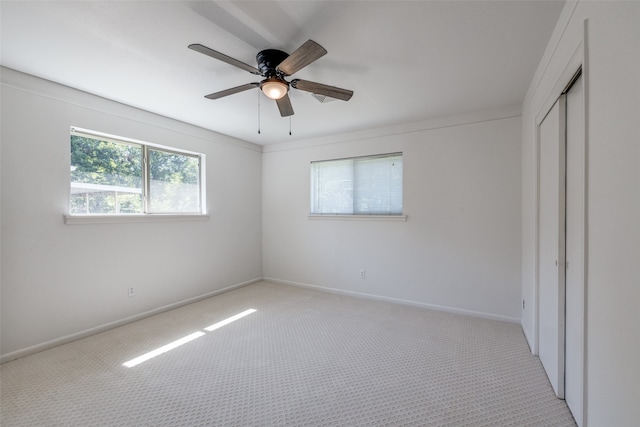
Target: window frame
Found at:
x=201, y=214
x=359, y=215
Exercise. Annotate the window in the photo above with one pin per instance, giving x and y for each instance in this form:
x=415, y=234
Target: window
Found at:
x=114, y=176
x=357, y=186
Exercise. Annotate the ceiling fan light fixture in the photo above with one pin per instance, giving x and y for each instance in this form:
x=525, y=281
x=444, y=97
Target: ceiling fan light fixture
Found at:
x=274, y=88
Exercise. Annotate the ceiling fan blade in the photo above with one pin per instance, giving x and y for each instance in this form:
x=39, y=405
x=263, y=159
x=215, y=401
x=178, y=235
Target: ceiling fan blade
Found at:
x=320, y=89
x=284, y=105
x=224, y=58
x=231, y=91
x=303, y=56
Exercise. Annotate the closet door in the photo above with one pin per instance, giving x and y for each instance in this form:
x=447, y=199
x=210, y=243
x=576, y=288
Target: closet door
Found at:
x=575, y=249
x=551, y=245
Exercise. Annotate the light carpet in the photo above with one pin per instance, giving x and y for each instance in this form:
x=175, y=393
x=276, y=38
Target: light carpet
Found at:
x=303, y=358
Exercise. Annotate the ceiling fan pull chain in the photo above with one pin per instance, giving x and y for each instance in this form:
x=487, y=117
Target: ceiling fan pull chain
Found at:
x=258, y=112
x=289, y=125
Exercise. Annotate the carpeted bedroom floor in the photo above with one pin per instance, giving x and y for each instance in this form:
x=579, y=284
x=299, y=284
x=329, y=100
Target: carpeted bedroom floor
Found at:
x=302, y=358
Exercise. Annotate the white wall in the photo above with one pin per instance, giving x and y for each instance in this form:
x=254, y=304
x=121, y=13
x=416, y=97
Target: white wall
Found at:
x=459, y=248
x=612, y=73
x=60, y=280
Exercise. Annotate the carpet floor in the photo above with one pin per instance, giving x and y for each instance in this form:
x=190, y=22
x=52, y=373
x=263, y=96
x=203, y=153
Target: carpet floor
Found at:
x=302, y=358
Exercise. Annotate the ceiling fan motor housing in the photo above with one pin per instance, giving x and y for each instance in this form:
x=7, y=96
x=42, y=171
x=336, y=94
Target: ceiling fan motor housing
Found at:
x=268, y=61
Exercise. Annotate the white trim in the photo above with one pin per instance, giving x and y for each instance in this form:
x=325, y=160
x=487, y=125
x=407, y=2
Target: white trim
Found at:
x=329, y=217
x=436, y=307
x=527, y=336
x=400, y=129
x=573, y=64
x=586, y=74
x=105, y=327
x=557, y=36
x=111, y=325
x=123, y=219
x=536, y=237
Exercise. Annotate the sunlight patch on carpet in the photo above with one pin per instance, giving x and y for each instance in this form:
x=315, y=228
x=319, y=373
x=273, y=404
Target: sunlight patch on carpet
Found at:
x=158, y=351
x=229, y=320
x=184, y=340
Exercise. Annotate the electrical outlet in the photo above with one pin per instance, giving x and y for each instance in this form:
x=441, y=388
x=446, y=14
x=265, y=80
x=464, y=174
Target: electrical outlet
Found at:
x=362, y=274
x=132, y=291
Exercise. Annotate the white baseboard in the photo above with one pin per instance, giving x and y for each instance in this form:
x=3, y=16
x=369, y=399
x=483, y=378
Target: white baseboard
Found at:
x=92, y=331
x=398, y=301
x=528, y=338
x=96, y=330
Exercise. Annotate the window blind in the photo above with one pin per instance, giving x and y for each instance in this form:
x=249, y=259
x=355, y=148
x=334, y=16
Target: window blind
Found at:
x=369, y=185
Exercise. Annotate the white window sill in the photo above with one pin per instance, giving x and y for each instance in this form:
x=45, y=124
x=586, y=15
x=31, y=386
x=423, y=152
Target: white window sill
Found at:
x=402, y=218
x=121, y=219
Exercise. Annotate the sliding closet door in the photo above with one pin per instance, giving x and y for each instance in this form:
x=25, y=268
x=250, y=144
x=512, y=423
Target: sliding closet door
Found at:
x=551, y=245
x=575, y=249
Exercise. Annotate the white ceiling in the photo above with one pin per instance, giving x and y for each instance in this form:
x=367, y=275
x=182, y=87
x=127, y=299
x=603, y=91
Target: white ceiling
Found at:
x=405, y=61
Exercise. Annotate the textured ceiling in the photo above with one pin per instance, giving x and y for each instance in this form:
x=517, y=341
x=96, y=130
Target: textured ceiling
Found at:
x=405, y=61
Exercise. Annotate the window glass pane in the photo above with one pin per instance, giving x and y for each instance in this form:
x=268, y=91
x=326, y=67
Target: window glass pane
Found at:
x=333, y=187
x=361, y=186
x=175, y=182
x=106, y=177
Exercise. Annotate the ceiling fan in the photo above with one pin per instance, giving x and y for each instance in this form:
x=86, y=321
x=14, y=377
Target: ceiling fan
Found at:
x=274, y=65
